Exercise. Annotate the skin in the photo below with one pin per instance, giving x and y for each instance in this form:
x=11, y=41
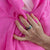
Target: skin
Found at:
x=35, y=34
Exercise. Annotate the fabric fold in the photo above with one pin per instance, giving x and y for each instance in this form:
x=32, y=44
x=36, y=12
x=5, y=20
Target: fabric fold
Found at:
x=10, y=11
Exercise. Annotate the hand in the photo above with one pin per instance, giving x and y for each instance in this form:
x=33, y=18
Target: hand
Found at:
x=35, y=34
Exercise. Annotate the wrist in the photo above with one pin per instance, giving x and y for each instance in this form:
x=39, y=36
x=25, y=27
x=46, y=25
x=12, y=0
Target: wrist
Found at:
x=46, y=42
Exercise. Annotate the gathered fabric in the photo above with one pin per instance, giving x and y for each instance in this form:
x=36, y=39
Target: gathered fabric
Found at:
x=10, y=11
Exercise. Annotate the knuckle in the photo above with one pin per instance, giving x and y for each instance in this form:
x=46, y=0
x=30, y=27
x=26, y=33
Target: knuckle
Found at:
x=24, y=31
x=19, y=27
x=25, y=22
x=31, y=36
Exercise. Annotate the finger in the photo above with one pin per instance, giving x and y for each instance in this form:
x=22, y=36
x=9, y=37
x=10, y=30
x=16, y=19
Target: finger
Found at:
x=32, y=22
x=35, y=19
x=25, y=23
x=21, y=28
x=19, y=38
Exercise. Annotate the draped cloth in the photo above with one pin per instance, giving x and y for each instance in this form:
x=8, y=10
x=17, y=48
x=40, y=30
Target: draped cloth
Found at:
x=10, y=11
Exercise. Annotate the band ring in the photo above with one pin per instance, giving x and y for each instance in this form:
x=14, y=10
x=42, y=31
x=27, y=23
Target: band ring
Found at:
x=28, y=27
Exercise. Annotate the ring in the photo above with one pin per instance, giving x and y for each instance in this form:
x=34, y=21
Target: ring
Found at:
x=28, y=27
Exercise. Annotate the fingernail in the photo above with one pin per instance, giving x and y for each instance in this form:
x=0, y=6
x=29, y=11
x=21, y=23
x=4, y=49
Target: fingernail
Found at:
x=16, y=21
x=20, y=17
x=27, y=14
x=32, y=14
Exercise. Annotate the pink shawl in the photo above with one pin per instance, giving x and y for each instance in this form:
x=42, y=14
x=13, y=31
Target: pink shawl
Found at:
x=10, y=11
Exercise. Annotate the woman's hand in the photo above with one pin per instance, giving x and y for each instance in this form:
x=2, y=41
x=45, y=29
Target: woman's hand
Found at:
x=35, y=33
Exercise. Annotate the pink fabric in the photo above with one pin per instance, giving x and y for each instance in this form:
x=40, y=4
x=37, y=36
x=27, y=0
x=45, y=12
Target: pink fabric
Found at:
x=9, y=11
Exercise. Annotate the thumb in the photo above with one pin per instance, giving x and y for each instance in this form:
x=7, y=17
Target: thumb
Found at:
x=19, y=38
